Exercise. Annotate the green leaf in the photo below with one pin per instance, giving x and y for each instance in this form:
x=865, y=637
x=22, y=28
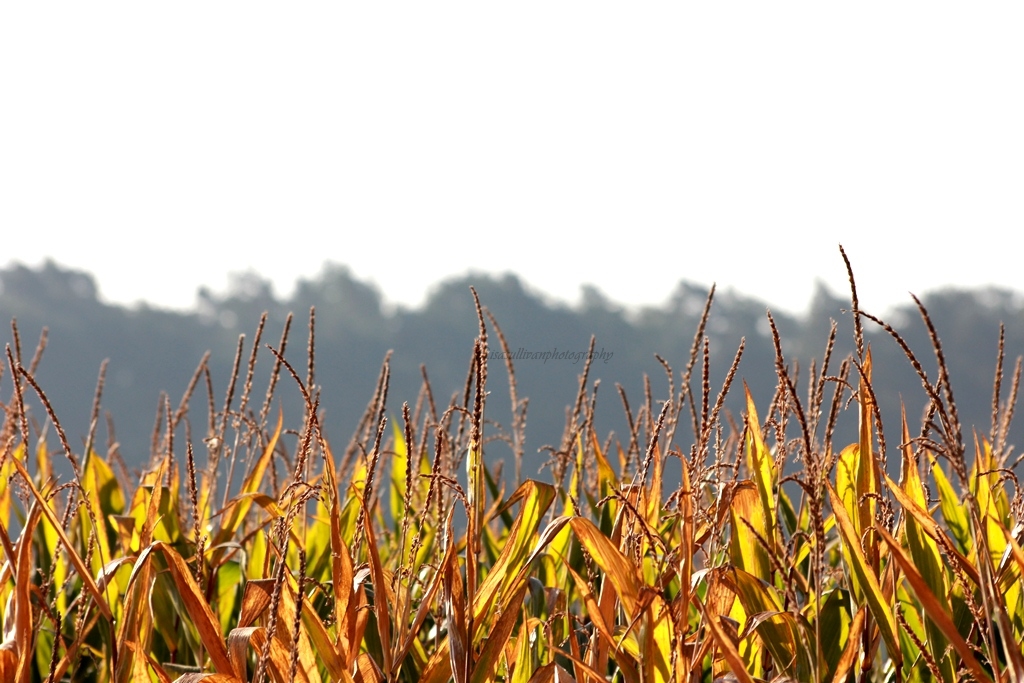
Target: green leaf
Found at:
x=953, y=512
x=864, y=577
x=935, y=608
x=229, y=591
x=834, y=622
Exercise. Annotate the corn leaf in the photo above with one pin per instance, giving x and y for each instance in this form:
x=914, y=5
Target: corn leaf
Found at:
x=935, y=608
x=750, y=532
x=195, y=603
x=864, y=576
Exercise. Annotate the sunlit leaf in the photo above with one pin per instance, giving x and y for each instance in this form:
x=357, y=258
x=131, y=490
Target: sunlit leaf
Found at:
x=864, y=576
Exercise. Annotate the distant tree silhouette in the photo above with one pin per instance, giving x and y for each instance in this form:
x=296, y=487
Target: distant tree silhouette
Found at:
x=153, y=350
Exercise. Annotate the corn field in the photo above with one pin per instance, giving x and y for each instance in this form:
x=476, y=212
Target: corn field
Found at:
x=251, y=551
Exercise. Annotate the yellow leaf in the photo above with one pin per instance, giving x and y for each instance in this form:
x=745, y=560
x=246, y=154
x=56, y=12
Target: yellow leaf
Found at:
x=761, y=465
x=750, y=531
x=865, y=577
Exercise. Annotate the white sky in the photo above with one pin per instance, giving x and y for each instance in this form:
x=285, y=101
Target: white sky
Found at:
x=628, y=145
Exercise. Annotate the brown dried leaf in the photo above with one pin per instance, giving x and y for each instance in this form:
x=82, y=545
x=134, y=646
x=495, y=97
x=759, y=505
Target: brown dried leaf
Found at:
x=255, y=600
x=195, y=603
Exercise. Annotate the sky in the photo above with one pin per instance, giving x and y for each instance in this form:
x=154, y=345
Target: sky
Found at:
x=625, y=145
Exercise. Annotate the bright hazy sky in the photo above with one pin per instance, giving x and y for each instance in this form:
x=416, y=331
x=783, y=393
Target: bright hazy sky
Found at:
x=629, y=145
